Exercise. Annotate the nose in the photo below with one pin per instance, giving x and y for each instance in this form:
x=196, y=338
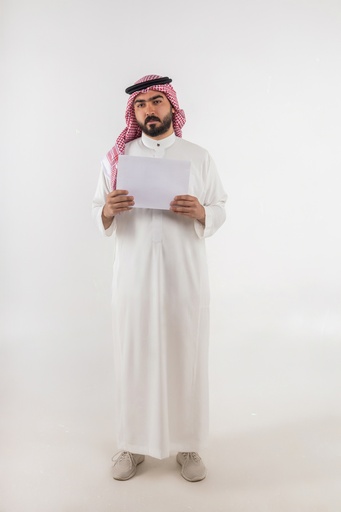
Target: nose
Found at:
x=149, y=110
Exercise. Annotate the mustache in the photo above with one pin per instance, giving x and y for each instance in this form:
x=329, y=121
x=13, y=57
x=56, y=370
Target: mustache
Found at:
x=151, y=118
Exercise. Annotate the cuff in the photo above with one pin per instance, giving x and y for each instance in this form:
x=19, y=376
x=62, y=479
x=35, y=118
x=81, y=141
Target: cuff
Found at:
x=201, y=230
x=110, y=230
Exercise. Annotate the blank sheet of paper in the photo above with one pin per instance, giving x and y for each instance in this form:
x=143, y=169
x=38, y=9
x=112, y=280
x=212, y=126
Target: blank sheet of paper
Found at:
x=154, y=182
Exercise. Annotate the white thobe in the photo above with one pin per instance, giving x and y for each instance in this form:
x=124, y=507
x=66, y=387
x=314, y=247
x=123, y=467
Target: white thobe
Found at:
x=160, y=309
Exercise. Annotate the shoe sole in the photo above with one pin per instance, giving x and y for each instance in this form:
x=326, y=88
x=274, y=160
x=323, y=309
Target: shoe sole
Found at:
x=188, y=479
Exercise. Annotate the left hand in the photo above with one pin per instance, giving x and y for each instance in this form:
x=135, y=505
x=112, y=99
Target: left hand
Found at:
x=188, y=206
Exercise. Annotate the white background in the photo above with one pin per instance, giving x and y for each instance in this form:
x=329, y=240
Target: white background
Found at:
x=260, y=83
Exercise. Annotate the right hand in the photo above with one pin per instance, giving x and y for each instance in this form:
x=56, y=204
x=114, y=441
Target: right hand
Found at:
x=116, y=202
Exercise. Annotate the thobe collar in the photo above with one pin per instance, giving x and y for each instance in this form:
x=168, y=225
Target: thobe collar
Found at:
x=158, y=144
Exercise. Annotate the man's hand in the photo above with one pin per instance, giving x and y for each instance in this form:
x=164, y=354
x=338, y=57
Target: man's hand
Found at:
x=188, y=206
x=117, y=201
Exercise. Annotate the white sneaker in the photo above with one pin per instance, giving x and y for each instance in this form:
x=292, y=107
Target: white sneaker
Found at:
x=125, y=465
x=193, y=468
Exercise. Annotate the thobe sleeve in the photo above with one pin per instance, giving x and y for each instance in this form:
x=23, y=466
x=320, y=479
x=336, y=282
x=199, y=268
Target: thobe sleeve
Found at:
x=103, y=188
x=214, y=201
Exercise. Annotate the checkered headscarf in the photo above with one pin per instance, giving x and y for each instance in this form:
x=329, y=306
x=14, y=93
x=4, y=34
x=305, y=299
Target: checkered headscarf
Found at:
x=133, y=131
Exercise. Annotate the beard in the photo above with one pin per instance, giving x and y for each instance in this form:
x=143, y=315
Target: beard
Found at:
x=154, y=130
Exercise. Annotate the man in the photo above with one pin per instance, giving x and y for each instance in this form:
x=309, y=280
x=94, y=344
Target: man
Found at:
x=160, y=289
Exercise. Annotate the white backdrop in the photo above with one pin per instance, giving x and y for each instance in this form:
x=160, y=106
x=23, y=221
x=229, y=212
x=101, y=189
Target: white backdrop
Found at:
x=260, y=84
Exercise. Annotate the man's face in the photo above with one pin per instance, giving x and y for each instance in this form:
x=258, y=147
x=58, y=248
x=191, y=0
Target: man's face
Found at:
x=154, y=114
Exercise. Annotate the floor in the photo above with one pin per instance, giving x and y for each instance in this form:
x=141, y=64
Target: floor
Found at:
x=272, y=447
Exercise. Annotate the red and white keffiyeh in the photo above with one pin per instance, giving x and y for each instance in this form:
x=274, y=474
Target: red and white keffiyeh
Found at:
x=133, y=131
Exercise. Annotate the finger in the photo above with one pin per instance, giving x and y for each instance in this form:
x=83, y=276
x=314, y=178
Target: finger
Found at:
x=120, y=210
x=120, y=192
x=187, y=203
x=184, y=196
x=120, y=206
x=116, y=206
x=184, y=214
x=182, y=209
x=116, y=211
x=121, y=199
x=116, y=193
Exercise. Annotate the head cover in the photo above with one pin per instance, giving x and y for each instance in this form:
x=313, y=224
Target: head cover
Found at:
x=132, y=130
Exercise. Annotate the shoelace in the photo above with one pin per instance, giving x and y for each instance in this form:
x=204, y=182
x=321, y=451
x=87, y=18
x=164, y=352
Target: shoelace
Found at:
x=191, y=455
x=120, y=456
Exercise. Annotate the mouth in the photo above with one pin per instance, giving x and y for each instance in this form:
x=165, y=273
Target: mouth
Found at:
x=152, y=121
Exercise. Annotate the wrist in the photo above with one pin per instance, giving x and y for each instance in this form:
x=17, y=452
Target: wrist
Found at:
x=105, y=216
x=202, y=218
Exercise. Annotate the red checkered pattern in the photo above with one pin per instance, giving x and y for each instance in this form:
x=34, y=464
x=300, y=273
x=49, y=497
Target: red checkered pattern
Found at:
x=133, y=131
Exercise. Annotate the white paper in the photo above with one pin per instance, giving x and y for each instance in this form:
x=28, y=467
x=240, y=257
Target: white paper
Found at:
x=154, y=182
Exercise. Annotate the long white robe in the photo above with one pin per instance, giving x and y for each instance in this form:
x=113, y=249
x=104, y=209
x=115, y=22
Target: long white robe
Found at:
x=160, y=309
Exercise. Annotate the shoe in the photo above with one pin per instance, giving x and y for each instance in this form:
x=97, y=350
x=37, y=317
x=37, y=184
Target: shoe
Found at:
x=193, y=468
x=125, y=465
